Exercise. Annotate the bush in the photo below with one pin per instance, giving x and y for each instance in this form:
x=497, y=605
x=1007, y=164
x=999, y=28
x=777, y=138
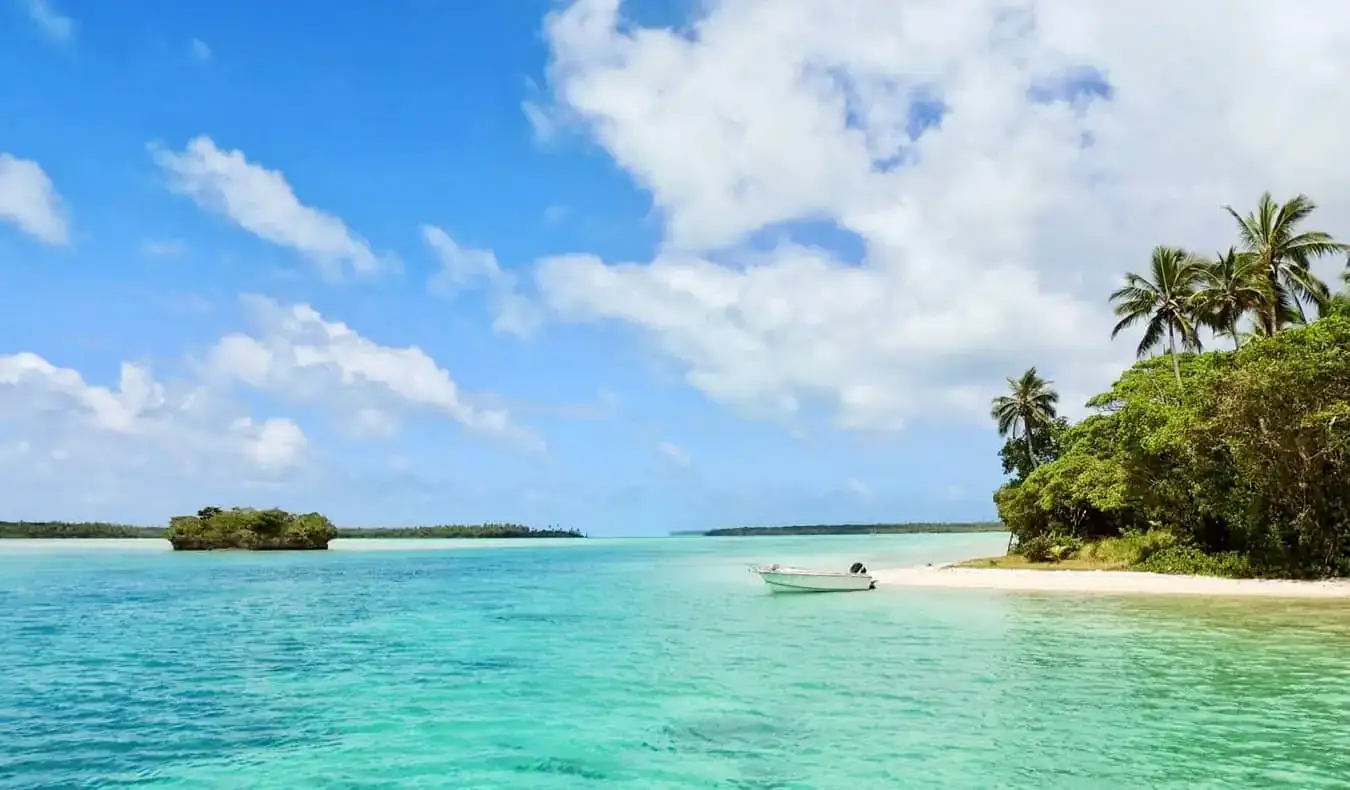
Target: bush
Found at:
x=1190, y=561
x=1036, y=549
x=1049, y=548
x=1131, y=548
x=1065, y=547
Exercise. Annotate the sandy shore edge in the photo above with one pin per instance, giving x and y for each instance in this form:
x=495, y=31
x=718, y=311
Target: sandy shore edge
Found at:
x=1119, y=582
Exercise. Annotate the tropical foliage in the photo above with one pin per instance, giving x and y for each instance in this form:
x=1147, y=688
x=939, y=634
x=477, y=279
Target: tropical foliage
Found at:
x=1231, y=287
x=247, y=528
x=1165, y=302
x=1228, y=462
x=1026, y=414
x=1283, y=253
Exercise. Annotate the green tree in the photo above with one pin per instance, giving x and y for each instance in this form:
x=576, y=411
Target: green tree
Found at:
x=1340, y=301
x=1230, y=287
x=249, y=528
x=1165, y=302
x=1248, y=466
x=1284, y=256
x=1019, y=461
x=1027, y=411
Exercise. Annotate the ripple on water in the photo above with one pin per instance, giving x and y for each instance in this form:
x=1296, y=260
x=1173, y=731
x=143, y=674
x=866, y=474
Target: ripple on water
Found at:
x=649, y=664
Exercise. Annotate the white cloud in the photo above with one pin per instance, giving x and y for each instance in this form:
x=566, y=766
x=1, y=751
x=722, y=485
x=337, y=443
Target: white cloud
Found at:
x=29, y=200
x=200, y=50
x=151, y=445
x=294, y=352
x=463, y=268
x=368, y=421
x=674, y=453
x=54, y=24
x=57, y=426
x=991, y=236
x=262, y=202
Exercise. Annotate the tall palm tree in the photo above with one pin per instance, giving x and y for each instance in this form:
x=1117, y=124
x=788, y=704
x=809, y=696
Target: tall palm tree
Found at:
x=1027, y=410
x=1230, y=286
x=1165, y=302
x=1284, y=256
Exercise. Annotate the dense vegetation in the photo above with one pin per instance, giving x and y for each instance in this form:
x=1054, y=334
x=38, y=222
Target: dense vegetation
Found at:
x=1232, y=462
x=856, y=529
x=461, y=531
x=75, y=529
x=247, y=528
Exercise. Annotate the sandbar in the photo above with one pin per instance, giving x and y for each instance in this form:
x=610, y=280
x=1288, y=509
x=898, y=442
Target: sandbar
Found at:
x=1112, y=582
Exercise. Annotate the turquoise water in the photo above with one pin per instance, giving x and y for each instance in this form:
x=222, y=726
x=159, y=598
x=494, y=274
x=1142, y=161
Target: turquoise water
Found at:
x=642, y=664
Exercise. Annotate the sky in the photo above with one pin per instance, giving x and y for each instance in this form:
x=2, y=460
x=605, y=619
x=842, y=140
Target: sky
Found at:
x=624, y=267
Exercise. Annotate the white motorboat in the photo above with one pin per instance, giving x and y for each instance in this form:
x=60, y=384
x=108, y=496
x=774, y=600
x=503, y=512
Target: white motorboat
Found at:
x=781, y=578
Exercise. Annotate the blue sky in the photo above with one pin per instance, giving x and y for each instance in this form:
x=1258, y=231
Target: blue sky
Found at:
x=389, y=116
x=739, y=279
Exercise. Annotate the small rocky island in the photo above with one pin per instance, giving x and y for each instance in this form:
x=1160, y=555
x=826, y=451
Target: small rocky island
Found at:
x=250, y=529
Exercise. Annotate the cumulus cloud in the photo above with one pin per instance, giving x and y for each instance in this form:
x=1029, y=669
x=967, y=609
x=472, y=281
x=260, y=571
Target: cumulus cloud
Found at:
x=58, y=430
x=144, y=444
x=29, y=200
x=294, y=352
x=261, y=202
x=1000, y=163
x=464, y=268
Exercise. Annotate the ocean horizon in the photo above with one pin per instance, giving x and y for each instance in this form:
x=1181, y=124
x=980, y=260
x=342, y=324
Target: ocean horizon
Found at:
x=643, y=663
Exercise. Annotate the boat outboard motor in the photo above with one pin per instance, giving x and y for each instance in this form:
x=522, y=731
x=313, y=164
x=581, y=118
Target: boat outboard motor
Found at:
x=857, y=567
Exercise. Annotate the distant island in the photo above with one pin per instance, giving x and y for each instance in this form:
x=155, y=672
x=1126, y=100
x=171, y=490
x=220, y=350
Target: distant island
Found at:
x=49, y=530
x=461, y=531
x=855, y=529
x=250, y=529
x=202, y=531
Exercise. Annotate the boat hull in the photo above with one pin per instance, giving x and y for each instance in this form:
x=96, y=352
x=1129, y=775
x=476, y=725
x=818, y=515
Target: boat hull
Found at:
x=790, y=582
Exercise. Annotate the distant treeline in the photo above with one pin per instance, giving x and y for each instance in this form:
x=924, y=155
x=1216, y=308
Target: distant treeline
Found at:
x=859, y=529
x=75, y=529
x=64, y=529
x=461, y=531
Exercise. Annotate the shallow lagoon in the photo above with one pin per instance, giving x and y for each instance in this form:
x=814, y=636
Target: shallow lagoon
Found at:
x=655, y=663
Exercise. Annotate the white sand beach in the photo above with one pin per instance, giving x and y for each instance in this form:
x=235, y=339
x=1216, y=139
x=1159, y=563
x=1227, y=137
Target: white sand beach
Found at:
x=1111, y=582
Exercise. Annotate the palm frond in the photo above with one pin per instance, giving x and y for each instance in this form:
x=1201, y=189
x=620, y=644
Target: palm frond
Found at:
x=1153, y=335
x=1271, y=235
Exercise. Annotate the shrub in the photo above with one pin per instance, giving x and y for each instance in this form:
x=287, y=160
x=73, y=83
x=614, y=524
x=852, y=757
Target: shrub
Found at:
x=1049, y=548
x=1064, y=547
x=1188, y=560
x=1131, y=548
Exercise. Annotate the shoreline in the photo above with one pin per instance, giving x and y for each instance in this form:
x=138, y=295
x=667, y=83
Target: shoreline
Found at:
x=1102, y=581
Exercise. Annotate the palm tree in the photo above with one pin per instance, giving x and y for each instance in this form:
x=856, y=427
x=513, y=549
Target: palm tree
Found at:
x=1339, y=303
x=1284, y=255
x=1027, y=410
x=1166, y=302
x=1230, y=287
